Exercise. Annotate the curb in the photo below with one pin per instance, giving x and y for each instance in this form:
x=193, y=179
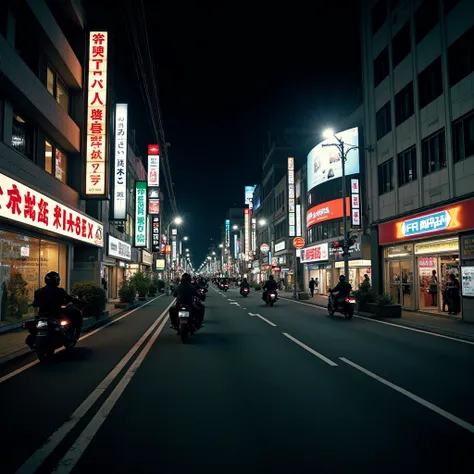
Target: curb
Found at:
x=87, y=326
x=401, y=322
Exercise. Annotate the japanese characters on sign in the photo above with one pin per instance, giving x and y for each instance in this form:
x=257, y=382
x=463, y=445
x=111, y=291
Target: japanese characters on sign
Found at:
x=23, y=204
x=119, y=249
x=315, y=253
x=120, y=169
x=140, y=214
x=155, y=234
x=355, y=203
x=247, y=232
x=96, y=151
x=291, y=197
x=153, y=165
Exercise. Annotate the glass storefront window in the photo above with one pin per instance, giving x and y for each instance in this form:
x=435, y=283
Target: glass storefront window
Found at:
x=400, y=282
x=23, y=263
x=58, y=166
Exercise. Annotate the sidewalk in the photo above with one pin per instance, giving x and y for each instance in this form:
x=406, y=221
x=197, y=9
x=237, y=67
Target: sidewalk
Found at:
x=439, y=324
x=12, y=343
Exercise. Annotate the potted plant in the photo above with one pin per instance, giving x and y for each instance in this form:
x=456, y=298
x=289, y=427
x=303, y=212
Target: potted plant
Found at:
x=385, y=307
x=94, y=296
x=127, y=294
x=153, y=289
x=17, y=299
x=366, y=299
x=141, y=282
x=161, y=285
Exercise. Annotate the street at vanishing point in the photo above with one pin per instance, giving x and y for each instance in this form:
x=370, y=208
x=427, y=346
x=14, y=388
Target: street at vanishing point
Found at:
x=258, y=389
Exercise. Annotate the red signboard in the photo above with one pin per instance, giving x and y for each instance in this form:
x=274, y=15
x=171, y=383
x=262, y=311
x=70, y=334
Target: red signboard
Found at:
x=327, y=211
x=439, y=221
x=298, y=242
x=153, y=150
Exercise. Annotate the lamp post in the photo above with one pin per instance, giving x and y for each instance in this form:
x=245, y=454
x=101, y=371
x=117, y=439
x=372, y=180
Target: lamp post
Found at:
x=343, y=151
x=177, y=221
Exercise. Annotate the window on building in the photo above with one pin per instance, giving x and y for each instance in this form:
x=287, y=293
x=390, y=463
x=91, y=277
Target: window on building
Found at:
x=379, y=15
x=433, y=153
x=55, y=162
x=449, y=5
x=404, y=107
x=385, y=177
x=426, y=17
x=381, y=67
x=57, y=89
x=461, y=57
x=430, y=83
x=401, y=45
x=463, y=138
x=22, y=136
x=384, y=122
x=407, y=166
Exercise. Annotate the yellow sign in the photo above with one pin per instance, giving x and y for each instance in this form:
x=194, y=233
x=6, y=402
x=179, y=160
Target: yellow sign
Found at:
x=437, y=246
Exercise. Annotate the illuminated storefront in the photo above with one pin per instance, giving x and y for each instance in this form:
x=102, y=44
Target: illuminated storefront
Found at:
x=422, y=246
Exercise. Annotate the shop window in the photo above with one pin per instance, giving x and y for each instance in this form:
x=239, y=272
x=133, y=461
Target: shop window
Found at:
x=57, y=89
x=399, y=281
x=449, y=5
x=463, y=138
x=407, y=166
x=430, y=83
x=434, y=153
x=381, y=67
x=24, y=262
x=401, y=45
x=426, y=17
x=404, y=107
x=379, y=15
x=22, y=136
x=461, y=57
x=385, y=177
x=57, y=166
x=383, y=121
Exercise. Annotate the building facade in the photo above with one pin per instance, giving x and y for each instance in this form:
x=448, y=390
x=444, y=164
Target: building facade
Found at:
x=418, y=78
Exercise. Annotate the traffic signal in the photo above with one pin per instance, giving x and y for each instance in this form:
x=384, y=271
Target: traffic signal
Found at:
x=351, y=240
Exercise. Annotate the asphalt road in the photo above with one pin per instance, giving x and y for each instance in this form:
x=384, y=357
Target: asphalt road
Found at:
x=258, y=389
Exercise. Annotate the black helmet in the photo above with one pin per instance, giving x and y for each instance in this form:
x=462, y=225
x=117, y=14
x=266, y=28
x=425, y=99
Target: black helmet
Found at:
x=342, y=278
x=270, y=277
x=52, y=278
x=186, y=277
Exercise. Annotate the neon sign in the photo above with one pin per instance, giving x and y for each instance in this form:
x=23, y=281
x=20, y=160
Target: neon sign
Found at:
x=437, y=221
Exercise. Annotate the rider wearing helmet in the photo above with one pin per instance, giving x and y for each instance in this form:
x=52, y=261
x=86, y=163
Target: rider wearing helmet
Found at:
x=270, y=285
x=51, y=298
x=185, y=294
x=244, y=284
x=343, y=288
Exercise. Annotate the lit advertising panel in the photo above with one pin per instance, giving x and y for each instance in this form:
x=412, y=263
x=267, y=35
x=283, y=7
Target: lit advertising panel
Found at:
x=324, y=162
x=140, y=214
x=227, y=234
x=315, y=253
x=96, y=146
x=327, y=211
x=120, y=168
x=153, y=165
x=246, y=233
x=291, y=197
x=249, y=196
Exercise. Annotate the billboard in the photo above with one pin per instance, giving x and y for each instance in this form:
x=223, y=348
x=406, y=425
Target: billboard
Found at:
x=327, y=211
x=249, y=196
x=324, y=162
x=120, y=168
x=291, y=197
x=153, y=165
x=140, y=214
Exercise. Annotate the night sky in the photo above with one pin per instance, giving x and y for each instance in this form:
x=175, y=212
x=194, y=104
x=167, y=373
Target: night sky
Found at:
x=227, y=74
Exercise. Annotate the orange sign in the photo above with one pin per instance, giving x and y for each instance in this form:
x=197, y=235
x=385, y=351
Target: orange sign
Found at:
x=327, y=211
x=298, y=242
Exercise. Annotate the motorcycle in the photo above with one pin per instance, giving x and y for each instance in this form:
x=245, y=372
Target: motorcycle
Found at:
x=224, y=286
x=345, y=307
x=187, y=323
x=245, y=292
x=202, y=294
x=271, y=298
x=48, y=334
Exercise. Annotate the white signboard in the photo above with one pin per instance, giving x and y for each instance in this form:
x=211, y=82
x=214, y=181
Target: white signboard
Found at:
x=147, y=258
x=291, y=197
x=324, y=162
x=23, y=204
x=140, y=214
x=96, y=154
x=249, y=196
x=120, y=168
x=280, y=246
x=316, y=253
x=467, y=281
x=153, y=170
x=119, y=249
x=355, y=203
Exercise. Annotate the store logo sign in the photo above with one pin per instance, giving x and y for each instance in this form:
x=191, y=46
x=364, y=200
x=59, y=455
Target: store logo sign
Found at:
x=438, y=221
x=314, y=254
x=119, y=249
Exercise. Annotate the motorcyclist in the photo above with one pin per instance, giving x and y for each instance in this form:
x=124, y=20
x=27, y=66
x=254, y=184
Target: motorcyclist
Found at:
x=244, y=284
x=187, y=294
x=51, y=298
x=270, y=285
x=343, y=289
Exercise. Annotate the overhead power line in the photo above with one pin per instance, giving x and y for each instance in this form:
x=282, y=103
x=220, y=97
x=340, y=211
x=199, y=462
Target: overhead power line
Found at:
x=145, y=69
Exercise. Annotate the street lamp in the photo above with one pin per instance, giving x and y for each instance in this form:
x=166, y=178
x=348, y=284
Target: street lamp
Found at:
x=221, y=245
x=262, y=222
x=343, y=151
x=235, y=227
x=185, y=238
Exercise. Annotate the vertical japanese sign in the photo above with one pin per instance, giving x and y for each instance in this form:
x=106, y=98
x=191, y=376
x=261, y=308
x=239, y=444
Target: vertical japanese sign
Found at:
x=155, y=234
x=120, y=168
x=246, y=233
x=96, y=147
x=153, y=180
x=291, y=197
x=254, y=234
x=236, y=247
x=355, y=203
x=140, y=214
x=249, y=196
x=227, y=235
x=153, y=165
x=299, y=230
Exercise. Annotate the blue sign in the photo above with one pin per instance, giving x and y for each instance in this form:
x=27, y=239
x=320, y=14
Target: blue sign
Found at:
x=424, y=224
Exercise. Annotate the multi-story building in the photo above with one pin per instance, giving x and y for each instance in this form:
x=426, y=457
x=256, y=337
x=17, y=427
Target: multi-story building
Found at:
x=43, y=220
x=418, y=77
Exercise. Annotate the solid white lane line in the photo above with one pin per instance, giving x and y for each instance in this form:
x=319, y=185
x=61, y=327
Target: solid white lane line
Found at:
x=71, y=458
x=31, y=364
x=416, y=398
x=235, y=303
x=263, y=319
x=37, y=458
x=408, y=328
x=312, y=351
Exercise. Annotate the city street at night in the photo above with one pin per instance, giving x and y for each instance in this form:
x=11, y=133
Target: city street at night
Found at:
x=258, y=389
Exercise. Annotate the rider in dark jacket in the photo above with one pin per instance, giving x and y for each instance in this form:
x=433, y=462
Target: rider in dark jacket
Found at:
x=244, y=284
x=270, y=285
x=185, y=294
x=343, y=288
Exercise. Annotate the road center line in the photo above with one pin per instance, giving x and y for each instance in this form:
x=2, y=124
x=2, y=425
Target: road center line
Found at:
x=400, y=326
x=38, y=457
x=263, y=319
x=416, y=398
x=71, y=458
x=312, y=351
x=85, y=336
